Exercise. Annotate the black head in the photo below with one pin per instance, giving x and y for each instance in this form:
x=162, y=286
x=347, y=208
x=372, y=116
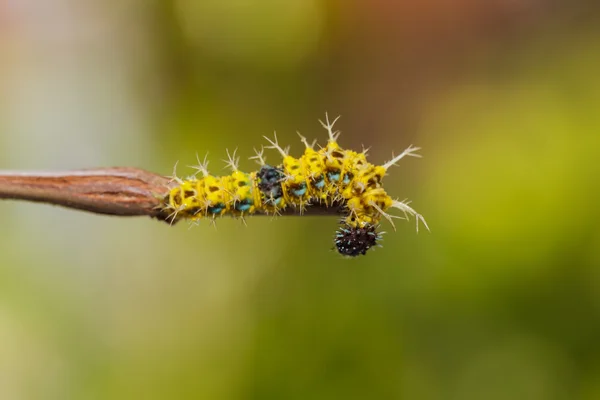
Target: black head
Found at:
x=353, y=241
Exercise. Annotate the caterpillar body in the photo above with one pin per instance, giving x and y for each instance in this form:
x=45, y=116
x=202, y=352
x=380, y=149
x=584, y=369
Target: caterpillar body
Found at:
x=328, y=177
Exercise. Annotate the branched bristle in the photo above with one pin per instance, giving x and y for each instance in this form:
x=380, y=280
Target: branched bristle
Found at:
x=275, y=145
x=201, y=166
x=329, y=126
x=410, y=151
x=385, y=215
x=174, y=178
x=303, y=140
x=173, y=216
x=231, y=161
x=404, y=207
x=259, y=157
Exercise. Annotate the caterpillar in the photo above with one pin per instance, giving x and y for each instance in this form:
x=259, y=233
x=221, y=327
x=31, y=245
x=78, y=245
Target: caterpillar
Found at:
x=329, y=177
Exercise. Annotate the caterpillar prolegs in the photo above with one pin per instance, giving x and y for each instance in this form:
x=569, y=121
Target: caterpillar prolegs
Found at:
x=330, y=177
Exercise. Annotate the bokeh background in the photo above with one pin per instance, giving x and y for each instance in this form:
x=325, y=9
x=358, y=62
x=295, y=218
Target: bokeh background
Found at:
x=500, y=301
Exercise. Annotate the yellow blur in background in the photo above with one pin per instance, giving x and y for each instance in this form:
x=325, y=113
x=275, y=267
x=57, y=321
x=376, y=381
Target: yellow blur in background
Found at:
x=500, y=301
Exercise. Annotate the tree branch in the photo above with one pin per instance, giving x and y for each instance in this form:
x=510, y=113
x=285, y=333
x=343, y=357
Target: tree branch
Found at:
x=112, y=191
x=120, y=191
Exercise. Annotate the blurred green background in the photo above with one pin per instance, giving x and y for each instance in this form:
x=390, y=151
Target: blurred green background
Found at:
x=500, y=301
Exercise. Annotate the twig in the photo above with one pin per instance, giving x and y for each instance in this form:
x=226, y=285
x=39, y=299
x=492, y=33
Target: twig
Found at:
x=119, y=191
x=112, y=191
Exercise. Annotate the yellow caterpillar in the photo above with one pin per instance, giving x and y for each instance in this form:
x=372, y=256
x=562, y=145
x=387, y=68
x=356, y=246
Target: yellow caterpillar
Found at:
x=328, y=177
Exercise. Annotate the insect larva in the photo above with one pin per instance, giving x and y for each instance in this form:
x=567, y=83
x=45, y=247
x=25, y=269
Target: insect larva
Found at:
x=331, y=177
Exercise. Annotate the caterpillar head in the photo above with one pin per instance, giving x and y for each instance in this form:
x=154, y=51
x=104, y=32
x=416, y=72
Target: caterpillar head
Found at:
x=354, y=241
